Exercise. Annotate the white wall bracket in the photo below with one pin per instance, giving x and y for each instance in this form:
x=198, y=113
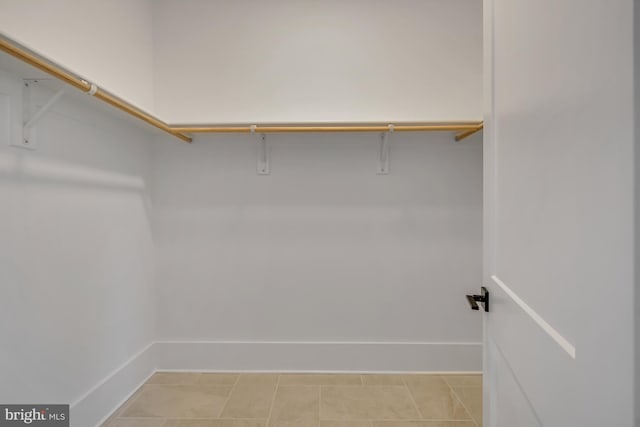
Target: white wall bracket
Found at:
x=32, y=115
x=264, y=161
x=383, y=161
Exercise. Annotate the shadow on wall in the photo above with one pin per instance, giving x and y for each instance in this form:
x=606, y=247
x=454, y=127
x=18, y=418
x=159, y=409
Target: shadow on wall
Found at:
x=76, y=259
x=81, y=148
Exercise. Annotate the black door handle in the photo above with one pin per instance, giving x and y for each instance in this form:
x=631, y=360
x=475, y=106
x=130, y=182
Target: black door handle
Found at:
x=472, y=302
x=483, y=298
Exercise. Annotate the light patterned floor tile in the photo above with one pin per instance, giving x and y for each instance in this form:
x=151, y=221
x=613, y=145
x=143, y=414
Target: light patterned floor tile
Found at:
x=366, y=403
x=118, y=412
x=295, y=406
x=382, y=379
x=191, y=399
x=345, y=423
x=178, y=401
x=251, y=397
x=471, y=398
x=174, y=378
x=320, y=379
x=435, y=399
x=424, y=424
x=463, y=380
x=258, y=379
x=218, y=379
x=136, y=422
x=214, y=423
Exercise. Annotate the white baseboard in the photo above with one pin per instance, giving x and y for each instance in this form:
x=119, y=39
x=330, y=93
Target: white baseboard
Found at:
x=318, y=356
x=95, y=406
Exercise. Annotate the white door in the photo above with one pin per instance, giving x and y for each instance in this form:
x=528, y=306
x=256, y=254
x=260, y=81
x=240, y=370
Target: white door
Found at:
x=559, y=233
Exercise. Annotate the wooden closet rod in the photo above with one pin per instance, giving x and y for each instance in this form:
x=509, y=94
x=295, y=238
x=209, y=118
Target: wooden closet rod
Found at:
x=465, y=129
x=19, y=52
x=462, y=135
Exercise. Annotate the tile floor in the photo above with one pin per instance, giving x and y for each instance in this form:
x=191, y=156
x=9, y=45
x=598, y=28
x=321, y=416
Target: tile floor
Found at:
x=299, y=400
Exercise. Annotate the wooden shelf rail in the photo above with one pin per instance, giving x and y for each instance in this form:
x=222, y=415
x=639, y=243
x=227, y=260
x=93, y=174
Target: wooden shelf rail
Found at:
x=465, y=134
x=19, y=52
x=463, y=129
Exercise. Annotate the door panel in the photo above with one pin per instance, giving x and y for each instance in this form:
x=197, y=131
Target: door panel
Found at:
x=522, y=354
x=559, y=216
x=514, y=409
x=538, y=179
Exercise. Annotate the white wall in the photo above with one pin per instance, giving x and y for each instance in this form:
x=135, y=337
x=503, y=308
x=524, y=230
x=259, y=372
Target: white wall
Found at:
x=76, y=259
x=322, y=250
x=299, y=61
x=109, y=42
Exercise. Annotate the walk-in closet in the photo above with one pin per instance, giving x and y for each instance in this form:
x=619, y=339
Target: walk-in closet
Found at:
x=305, y=213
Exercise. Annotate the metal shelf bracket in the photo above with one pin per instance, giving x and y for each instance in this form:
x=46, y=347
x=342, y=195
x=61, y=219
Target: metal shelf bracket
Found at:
x=264, y=160
x=383, y=161
x=32, y=115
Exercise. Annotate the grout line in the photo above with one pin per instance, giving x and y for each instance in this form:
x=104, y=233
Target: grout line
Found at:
x=459, y=399
x=464, y=404
x=413, y=399
x=273, y=400
x=233, y=387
